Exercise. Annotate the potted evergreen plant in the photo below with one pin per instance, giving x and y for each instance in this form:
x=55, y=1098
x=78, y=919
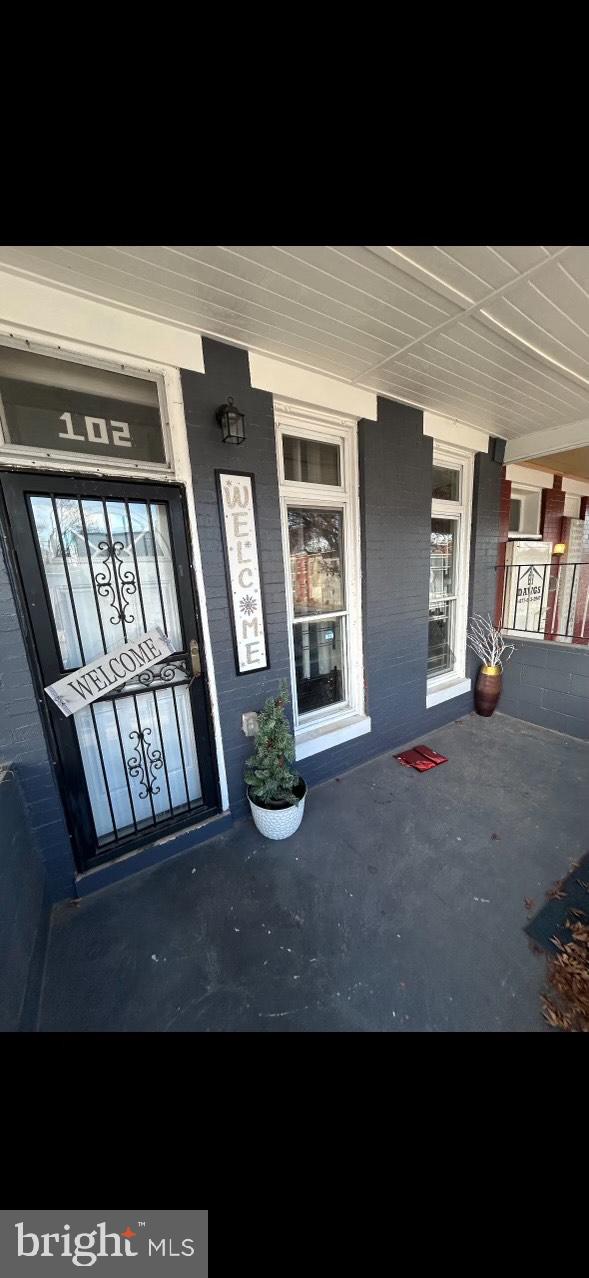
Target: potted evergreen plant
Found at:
x=487, y=642
x=276, y=794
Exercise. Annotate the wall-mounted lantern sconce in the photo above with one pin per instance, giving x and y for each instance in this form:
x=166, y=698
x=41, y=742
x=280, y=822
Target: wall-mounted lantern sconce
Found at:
x=560, y=548
x=232, y=423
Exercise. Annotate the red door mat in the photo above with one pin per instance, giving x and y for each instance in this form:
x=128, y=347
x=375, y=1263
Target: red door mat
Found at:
x=421, y=757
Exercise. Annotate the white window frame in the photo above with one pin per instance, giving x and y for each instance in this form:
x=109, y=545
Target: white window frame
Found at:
x=530, y=500
x=452, y=683
x=330, y=726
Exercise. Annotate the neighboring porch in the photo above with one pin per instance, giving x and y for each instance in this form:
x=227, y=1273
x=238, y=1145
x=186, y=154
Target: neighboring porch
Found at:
x=399, y=904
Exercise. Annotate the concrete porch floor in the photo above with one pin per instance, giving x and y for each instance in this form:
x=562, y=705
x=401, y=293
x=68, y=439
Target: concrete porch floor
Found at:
x=398, y=905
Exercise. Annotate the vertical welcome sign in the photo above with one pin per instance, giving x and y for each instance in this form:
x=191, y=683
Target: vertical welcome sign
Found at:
x=238, y=521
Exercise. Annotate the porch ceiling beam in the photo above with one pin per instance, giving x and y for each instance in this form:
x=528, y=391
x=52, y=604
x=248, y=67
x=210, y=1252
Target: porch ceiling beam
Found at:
x=462, y=314
x=541, y=443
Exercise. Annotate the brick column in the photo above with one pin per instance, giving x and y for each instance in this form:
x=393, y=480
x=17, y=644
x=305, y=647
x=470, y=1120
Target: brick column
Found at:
x=551, y=530
x=581, y=623
x=504, y=506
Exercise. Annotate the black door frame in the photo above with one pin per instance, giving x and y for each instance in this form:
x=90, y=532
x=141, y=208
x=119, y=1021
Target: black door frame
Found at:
x=43, y=648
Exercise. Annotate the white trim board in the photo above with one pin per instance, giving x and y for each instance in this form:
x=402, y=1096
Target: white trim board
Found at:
x=572, y=506
x=540, y=443
x=530, y=476
x=50, y=310
x=579, y=487
x=533, y=478
x=315, y=740
x=445, y=692
x=453, y=432
x=299, y=384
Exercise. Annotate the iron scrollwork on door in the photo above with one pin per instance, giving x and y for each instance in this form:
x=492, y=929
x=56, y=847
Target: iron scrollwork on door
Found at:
x=146, y=769
x=124, y=580
x=173, y=671
x=165, y=673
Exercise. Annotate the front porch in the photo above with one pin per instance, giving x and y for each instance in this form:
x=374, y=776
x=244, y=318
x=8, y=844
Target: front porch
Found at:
x=399, y=904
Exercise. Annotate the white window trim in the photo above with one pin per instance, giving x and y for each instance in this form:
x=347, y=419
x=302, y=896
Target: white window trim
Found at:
x=453, y=687
x=453, y=683
x=325, y=728
x=520, y=494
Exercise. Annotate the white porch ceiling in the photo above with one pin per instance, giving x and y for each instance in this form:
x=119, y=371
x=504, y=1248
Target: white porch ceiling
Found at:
x=496, y=336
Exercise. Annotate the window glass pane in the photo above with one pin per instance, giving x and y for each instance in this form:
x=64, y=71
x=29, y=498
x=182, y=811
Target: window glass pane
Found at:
x=524, y=511
x=318, y=647
x=108, y=581
x=514, y=515
x=316, y=560
x=446, y=483
x=310, y=461
x=442, y=577
x=440, y=656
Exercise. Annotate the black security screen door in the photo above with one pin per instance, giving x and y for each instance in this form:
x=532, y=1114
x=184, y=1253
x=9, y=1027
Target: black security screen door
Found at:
x=101, y=563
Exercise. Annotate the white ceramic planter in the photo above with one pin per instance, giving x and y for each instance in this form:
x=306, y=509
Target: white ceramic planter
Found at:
x=278, y=823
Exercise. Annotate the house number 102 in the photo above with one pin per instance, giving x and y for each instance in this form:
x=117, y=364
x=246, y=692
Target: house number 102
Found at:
x=97, y=431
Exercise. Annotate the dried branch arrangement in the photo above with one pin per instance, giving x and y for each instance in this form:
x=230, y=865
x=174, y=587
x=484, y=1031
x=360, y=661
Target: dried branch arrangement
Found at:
x=487, y=641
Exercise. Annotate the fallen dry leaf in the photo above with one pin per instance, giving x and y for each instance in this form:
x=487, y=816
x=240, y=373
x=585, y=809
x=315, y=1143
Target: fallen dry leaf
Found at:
x=529, y=903
x=555, y=893
x=568, y=974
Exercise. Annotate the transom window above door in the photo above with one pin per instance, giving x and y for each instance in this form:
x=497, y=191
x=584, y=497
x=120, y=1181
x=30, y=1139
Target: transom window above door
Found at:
x=50, y=405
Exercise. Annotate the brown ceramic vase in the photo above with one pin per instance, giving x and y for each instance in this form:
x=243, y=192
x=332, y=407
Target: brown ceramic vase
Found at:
x=487, y=689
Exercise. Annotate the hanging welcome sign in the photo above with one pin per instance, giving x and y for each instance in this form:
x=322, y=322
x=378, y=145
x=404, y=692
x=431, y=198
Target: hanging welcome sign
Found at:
x=238, y=521
x=105, y=674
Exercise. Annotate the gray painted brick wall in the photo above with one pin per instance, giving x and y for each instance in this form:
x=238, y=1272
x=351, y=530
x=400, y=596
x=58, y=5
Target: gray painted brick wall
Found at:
x=548, y=683
x=24, y=911
x=395, y=495
x=227, y=373
x=23, y=747
x=395, y=499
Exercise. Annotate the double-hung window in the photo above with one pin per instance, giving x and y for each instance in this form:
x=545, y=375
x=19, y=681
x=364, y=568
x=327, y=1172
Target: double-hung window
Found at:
x=448, y=583
x=318, y=477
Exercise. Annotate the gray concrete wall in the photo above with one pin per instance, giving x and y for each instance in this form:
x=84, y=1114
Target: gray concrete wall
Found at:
x=548, y=684
x=24, y=911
